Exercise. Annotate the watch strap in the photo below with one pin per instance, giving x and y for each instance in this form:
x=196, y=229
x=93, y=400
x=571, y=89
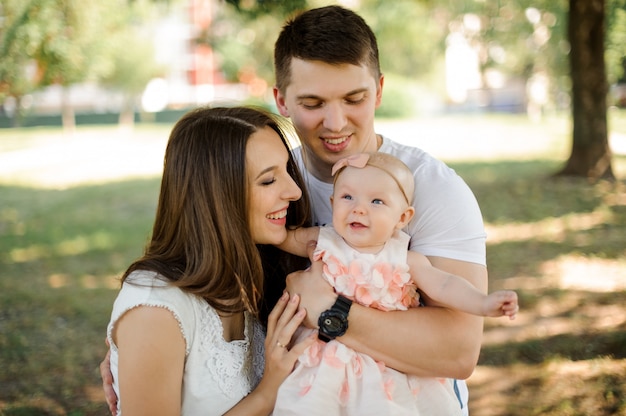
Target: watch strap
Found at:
x=342, y=305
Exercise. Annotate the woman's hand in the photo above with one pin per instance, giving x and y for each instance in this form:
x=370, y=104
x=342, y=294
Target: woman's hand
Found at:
x=281, y=353
x=107, y=382
x=281, y=349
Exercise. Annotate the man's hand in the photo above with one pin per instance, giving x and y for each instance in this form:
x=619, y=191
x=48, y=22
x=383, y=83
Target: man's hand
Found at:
x=107, y=382
x=316, y=294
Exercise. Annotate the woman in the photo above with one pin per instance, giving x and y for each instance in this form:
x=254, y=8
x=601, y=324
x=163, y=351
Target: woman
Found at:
x=184, y=333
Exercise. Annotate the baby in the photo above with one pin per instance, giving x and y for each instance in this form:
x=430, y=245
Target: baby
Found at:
x=366, y=259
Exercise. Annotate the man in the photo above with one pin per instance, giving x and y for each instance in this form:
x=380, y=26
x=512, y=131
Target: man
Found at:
x=328, y=81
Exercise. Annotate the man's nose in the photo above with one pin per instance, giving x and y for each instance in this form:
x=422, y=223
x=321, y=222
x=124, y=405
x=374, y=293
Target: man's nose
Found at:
x=335, y=117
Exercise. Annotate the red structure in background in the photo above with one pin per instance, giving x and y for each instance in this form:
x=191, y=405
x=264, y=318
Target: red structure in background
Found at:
x=201, y=66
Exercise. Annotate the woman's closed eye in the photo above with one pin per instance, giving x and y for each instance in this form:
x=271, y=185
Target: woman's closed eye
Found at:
x=268, y=181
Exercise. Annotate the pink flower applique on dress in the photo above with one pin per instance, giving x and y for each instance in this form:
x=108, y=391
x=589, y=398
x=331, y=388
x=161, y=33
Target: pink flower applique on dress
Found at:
x=414, y=385
x=344, y=393
x=357, y=365
x=331, y=357
x=306, y=384
x=333, y=267
x=389, y=387
x=312, y=356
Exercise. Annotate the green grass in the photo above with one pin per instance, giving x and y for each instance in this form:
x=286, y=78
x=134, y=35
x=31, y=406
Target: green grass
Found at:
x=559, y=243
x=61, y=252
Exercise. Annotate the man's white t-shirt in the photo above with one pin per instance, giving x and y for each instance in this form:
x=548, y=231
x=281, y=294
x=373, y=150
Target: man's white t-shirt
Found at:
x=447, y=222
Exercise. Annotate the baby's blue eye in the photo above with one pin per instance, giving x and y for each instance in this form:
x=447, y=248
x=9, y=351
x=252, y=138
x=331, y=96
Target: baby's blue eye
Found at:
x=377, y=202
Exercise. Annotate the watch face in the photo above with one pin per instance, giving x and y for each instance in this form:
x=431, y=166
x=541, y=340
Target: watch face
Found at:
x=333, y=323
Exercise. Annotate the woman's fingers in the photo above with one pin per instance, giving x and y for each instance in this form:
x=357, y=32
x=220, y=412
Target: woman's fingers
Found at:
x=283, y=346
x=276, y=312
x=298, y=348
x=287, y=322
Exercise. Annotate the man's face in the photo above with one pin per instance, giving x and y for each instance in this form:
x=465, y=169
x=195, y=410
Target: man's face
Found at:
x=332, y=108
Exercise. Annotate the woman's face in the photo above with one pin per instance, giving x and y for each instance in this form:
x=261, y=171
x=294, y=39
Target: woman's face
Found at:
x=270, y=185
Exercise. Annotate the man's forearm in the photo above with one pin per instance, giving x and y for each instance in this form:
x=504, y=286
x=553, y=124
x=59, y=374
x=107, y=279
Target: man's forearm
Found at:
x=426, y=341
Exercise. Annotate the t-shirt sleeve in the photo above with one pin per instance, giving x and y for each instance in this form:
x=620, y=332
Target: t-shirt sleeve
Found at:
x=448, y=222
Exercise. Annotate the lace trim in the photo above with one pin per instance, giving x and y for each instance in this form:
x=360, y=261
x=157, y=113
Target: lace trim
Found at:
x=152, y=305
x=235, y=366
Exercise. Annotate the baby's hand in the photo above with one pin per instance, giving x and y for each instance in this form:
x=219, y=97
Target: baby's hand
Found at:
x=502, y=302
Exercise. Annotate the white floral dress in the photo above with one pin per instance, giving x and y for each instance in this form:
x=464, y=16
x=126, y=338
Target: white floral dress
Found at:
x=331, y=379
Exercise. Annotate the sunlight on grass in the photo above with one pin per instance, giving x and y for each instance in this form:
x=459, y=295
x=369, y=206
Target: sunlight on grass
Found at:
x=46, y=158
x=580, y=272
x=564, y=388
x=92, y=155
x=59, y=280
x=567, y=271
x=549, y=229
x=77, y=245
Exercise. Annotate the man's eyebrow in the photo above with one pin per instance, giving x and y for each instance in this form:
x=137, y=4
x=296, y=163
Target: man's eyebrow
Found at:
x=308, y=97
x=317, y=97
x=357, y=91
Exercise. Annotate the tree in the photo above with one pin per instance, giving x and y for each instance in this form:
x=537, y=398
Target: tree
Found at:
x=591, y=155
x=74, y=49
x=131, y=63
x=53, y=42
x=21, y=33
x=616, y=41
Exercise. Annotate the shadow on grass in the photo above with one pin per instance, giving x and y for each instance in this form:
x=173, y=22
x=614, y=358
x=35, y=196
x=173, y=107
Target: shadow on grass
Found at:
x=573, y=347
x=524, y=191
x=27, y=411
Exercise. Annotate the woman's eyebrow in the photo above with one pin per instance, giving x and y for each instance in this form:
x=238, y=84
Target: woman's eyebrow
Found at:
x=264, y=171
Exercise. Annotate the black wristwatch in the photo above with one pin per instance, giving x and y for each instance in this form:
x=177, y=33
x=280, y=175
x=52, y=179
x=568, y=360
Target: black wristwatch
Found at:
x=333, y=322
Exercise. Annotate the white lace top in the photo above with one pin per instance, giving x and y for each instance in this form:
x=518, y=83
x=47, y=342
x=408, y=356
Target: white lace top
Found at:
x=218, y=374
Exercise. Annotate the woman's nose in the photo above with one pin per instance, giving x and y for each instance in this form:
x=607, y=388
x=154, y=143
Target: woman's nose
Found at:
x=292, y=191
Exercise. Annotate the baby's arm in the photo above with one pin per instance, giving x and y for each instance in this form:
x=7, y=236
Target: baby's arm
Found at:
x=297, y=240
x=457, y=293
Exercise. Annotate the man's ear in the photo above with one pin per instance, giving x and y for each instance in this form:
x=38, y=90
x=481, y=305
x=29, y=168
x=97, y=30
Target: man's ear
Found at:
x=279, y=99
x=405, y=217
x=379, y=90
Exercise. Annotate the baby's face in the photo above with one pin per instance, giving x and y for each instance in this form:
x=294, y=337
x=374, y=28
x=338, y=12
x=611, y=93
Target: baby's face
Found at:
x=368, y=206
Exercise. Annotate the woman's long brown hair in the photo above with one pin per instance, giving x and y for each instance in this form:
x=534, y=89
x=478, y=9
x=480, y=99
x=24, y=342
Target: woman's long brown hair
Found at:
x=201, y=239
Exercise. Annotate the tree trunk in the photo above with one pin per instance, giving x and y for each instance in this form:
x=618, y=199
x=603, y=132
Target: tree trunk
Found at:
x=68, y=117
x=591, y=154
x=126, y=119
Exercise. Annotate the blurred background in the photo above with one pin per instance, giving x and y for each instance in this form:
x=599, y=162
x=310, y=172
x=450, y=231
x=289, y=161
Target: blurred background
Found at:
x=525, y=100
x=139, y=58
